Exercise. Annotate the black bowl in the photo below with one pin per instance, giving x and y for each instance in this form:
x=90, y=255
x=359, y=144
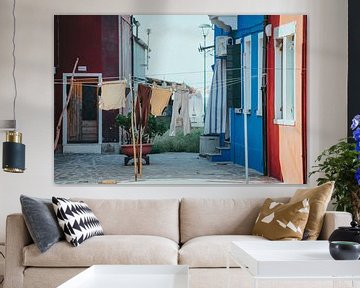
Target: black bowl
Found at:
x=344, y=250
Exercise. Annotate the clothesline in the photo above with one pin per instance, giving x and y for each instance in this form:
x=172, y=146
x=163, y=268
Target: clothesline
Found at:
x=191, y=72
x=92, y=85
x=226, y=83
x=85, y=79
x=229, y=69
x=135, y=77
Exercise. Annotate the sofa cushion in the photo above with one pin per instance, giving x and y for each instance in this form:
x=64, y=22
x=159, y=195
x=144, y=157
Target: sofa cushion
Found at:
x=41, y=221
x=77, y=220
x=201, y=217
x=319, y=198
x=211, y=251
x=279, y=221
x=49, y=277
x=158, y=217
x=107, y=249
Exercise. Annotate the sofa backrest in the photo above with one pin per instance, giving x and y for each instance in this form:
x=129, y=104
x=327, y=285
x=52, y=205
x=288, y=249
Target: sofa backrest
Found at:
x=200, y=217
x=159, y=217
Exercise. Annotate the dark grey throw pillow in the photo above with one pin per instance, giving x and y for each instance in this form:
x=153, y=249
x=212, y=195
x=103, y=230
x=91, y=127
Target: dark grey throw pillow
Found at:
x=41, y=221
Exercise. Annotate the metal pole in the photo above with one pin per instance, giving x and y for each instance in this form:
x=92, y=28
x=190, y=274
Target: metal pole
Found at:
x=245, y=113
x=148, y=31
x=204, y=74
x=246, y=146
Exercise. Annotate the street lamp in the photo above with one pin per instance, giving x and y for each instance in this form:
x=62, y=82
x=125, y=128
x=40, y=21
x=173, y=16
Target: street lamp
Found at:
x=205, y=28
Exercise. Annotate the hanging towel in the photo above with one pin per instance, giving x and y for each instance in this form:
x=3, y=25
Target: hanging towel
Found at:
x=215, y=117
x=196, y=109
x=142, y=105
x=112, y=95
x=159, y=100
x=180, y=113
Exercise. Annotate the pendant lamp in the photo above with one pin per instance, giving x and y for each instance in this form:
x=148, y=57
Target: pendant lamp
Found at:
x=13, y=149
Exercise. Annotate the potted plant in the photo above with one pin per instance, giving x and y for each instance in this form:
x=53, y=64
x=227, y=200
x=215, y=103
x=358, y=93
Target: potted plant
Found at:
x=341, y=163
x=154, y=127
x=124, y=121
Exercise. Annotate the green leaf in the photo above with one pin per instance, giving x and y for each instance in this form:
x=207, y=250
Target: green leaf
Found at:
x=338, y=163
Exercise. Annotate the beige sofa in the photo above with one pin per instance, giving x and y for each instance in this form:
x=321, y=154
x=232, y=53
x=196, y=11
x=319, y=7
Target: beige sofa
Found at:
x=194, y=232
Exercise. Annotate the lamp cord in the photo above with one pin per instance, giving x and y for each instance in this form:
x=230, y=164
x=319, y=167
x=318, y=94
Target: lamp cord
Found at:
x=14, y=60
x=2, y=280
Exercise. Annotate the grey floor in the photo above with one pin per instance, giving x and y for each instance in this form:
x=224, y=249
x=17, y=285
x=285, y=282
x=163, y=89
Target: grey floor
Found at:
x=167, y=168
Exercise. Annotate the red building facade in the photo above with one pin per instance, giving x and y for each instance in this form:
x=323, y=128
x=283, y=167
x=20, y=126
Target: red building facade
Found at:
x=286, y=99
x=103, y=46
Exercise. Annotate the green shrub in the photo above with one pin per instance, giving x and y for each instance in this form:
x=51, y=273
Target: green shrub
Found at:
x=179, y=143
x=155, y=126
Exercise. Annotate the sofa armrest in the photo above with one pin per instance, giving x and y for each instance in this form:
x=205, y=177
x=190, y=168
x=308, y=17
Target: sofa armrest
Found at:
x=17, y=237
x=333, y=220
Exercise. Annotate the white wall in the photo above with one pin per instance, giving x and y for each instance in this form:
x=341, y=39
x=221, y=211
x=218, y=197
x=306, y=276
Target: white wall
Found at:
x=327, y=88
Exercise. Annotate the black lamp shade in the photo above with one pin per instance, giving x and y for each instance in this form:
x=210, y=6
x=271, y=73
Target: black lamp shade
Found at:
x=13, y=157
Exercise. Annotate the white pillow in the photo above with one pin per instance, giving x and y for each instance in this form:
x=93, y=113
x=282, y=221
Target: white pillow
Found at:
x=76, y=220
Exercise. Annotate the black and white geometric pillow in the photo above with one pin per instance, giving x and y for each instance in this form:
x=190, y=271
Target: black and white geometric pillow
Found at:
x=77, y=220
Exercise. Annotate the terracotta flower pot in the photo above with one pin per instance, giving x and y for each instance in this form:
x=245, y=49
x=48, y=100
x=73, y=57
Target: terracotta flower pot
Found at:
x=128, y=149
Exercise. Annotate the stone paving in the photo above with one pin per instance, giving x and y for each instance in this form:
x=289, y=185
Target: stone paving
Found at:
x=164, y=168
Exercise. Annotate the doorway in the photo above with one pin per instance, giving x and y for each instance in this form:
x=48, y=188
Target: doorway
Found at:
x=82, y=123
x=82, y=120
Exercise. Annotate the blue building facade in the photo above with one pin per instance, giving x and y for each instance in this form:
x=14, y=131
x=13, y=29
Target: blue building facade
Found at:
x=245, y=95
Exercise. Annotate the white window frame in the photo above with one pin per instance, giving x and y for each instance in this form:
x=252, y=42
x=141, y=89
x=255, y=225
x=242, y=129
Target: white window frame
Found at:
x=281, y=33
x=247, y=69
x=260, y=71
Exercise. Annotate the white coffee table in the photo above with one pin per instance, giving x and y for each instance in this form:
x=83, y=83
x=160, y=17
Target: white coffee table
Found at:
x=131, y=276
x=292, y=260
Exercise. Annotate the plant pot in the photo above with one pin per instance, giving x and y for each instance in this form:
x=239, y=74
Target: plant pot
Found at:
x=128, y=149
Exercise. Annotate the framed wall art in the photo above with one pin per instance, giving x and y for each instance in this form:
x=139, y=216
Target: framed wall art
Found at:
x=180, y=99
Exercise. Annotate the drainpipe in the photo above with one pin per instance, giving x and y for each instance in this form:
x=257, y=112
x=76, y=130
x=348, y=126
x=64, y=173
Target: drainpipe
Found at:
x=132, y=40
x=264, y=97
x=132, y=46
x=121, y=72
x=304, y=98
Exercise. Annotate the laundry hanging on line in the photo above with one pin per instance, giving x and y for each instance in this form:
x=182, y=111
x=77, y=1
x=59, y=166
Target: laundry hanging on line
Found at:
x=142, y=108
x=159, y=99
x=196, y=106
x=215, y=118
x=180, y=113
x=196, y=109
x=113, y=95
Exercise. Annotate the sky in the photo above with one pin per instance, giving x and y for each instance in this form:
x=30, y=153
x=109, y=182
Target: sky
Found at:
x=174, y=43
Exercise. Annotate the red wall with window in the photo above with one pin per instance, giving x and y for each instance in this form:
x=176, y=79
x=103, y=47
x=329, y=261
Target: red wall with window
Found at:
x=287, y=142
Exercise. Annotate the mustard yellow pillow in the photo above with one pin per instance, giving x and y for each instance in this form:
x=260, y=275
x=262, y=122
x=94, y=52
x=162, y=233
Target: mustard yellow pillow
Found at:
x=319, y=198
x=279, y=221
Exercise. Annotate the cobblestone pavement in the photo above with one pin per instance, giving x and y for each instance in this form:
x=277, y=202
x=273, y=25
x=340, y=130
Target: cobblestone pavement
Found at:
x=164, y=168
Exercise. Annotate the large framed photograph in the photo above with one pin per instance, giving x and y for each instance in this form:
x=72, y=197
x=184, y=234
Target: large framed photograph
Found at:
x=180, y=99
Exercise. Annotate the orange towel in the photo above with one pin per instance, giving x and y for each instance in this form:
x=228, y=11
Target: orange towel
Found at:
x=159, y=100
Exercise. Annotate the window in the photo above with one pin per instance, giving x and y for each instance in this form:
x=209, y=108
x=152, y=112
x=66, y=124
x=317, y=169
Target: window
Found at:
x=284, y=44
x=247, y=74
x=233, y=76
x=260, y=71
